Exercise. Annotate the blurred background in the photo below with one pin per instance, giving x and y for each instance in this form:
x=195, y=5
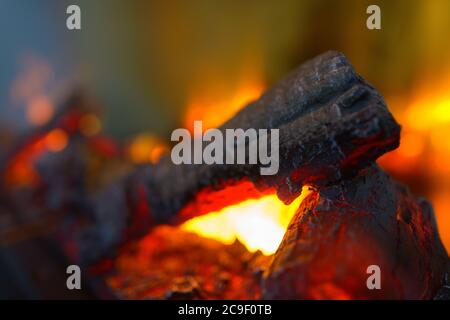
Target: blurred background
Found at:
x=154, y=66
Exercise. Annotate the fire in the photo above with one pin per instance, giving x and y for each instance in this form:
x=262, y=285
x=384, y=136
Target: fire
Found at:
x=215, y=105
x=56, y=140
x=424, y=150
x=257, y=223
x=146, y=148
x=20, y=169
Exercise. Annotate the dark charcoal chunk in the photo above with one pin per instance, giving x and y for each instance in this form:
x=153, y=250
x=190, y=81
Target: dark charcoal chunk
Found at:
x=342, y=229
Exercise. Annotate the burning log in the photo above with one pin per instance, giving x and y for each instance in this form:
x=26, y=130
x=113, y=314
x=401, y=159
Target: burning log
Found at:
x=342, y=229
x=337, y=233
x=332, y=127
x=331, y=124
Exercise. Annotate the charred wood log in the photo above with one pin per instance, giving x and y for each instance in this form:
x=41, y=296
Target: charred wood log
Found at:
x=331, y=124
x=341, y=230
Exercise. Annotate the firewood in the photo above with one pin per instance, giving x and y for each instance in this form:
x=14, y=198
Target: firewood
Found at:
x=331, y=124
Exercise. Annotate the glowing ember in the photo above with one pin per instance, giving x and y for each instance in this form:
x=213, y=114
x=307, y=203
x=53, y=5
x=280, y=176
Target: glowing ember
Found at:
x=21, y=173
x=146, y=148
x=259, y=224
x=56, y=140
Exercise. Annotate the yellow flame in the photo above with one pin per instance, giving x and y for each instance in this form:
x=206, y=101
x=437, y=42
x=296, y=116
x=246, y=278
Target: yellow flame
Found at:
x=258, y=223
x=216, y=104
x=429, y=112
x=424, y=148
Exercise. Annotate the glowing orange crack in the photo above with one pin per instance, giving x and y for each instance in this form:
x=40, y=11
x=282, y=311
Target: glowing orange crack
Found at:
x=258, y=223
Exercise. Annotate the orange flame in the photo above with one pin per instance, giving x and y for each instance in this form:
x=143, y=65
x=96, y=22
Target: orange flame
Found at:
x=56, y=140
x=146, y=148
x=258, y=223
x=424, y=151
x=214, y=102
